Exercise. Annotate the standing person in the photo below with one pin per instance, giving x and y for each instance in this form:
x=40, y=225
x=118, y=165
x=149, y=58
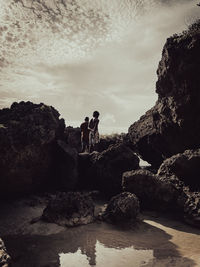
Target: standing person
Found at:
x=94, y=133
x=85, y=131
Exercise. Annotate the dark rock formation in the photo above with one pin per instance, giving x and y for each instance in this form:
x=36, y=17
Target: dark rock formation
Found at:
x=27, y=136
x=153, y=193
x=123, y=207
x=103, y=171
x=164, y=193
x=4, y=257
x=185, y=166
x=70, y=209
x=171, y=126
x=73, y=137
x=66, y=167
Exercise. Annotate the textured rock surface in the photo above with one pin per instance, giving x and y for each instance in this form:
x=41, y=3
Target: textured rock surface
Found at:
x=152, y=192
x=73, y=137
x=185, y=166
x=4, y=257
x=192, y=209
x=171, y=126
x=103, y=171
x=66, y=166
x=164, y=193
x=123, y=207
x=27, y=135
x=70, y=209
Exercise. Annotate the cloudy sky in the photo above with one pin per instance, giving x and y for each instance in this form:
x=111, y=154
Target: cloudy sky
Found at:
x=86, y=55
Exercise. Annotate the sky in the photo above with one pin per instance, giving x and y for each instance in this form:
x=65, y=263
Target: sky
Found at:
x=86, y=55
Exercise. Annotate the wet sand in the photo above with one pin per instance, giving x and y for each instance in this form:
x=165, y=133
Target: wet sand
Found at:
x=157, y=241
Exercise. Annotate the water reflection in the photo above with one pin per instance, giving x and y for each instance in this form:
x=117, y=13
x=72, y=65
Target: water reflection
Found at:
x=98, y=245
x=103, y=256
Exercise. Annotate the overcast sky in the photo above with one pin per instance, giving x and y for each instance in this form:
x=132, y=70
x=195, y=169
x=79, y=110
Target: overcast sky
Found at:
x=86, y=55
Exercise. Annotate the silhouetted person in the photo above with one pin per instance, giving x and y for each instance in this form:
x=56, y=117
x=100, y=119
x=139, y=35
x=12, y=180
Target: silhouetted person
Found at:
x=94, y=133
x=85, y=131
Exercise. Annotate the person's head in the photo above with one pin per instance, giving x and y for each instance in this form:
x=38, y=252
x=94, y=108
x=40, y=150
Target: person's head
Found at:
x=86, y=119
x=96, y=114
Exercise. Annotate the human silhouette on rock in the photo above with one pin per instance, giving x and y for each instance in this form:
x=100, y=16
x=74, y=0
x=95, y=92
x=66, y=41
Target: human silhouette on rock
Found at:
x=94, y=133
x=85, y=131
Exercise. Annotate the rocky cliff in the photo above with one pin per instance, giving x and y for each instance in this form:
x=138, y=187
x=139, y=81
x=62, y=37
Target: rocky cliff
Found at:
x=28, y=133
x=173, y=124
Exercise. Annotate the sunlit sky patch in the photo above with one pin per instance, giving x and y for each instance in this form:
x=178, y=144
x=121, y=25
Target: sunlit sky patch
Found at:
x=83, y=55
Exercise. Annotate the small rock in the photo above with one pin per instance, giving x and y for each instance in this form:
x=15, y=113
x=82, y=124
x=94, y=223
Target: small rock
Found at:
x=70, y=209
x=123, y=207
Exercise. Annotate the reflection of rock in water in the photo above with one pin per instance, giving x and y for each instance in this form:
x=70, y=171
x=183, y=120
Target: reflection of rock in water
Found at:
x=41, y=251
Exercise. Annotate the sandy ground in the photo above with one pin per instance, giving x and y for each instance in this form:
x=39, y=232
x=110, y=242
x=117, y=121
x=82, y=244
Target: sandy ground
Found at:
x=156, y=241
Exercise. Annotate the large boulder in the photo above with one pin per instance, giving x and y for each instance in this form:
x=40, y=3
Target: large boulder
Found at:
x=28, y=133
x=4, y=257
x=123, y=207
x=164, y=193
x=171, y=126
x=185, y=166
x=70, y=209
x=103, y=171
x=153, y=192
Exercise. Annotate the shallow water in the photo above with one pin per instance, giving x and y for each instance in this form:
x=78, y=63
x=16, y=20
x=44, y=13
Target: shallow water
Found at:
x=157, y=241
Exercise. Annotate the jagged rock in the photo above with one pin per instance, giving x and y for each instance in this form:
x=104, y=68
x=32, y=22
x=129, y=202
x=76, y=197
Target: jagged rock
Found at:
x=171, y=126
x=27, y=136
x=185, y=166
x=73, y=137
x=153, y=192
x=70, y=209
x=103, y=171
x=4, y=257
x=123, y=207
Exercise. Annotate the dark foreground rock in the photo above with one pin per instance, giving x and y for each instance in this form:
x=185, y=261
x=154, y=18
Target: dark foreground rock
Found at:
x=27, y=137
x=66, y=167
x=192, y=209
x=70, y=209
x=103, y=171
x=153, y=192
x=123, y=207
x=4, y=257
x=171, y=126
x=185, y=166
x=164, y=193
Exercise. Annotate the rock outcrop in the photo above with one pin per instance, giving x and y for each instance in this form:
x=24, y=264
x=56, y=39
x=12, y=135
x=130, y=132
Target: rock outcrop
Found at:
x=171, y=126
x=123, y=207
x=70, y=209
x=153, y=192
x=28, y=133
x=164, y=193
x=103, y=171
x=185, y=166
x=4, y=257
